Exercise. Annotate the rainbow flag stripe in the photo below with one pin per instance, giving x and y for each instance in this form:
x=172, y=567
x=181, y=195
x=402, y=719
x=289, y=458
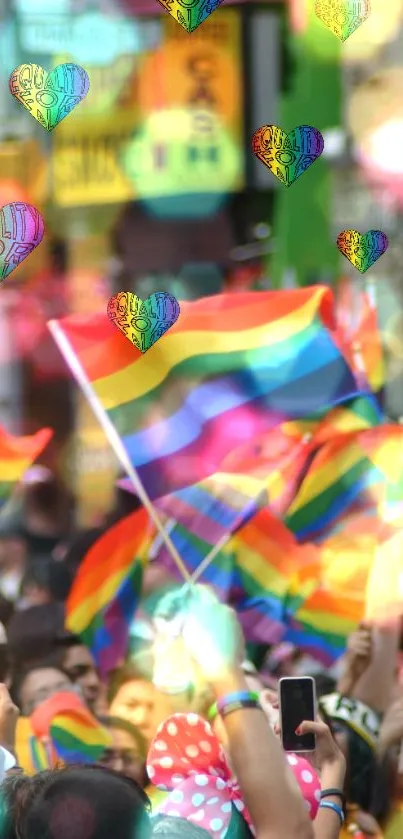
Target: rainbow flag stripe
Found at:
x=78, y=737
x=347, y=471
x=106, y=590
x=16, y=456
x=231, y=367
x=39, y=758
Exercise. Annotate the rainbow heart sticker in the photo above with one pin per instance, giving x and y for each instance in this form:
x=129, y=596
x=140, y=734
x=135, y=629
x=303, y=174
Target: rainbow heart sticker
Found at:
x=21, y=231
x=49, y=97
x=342, y=17
x=143, y=322
x=362, y=249
x=287, y=155
x=190, y=13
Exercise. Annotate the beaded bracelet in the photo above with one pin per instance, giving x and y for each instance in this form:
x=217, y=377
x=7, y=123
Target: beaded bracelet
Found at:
x=237, y=706
x=237, y=696
x=328, y=805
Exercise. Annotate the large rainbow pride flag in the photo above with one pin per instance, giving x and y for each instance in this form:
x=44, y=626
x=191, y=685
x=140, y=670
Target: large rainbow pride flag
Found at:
x=231, y=367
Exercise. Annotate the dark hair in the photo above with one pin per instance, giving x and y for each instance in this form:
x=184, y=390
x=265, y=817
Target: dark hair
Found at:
x=49, y=575
x=125, y=725
x=86, y=802
x=18, y=679
x=361, y=765
x=31, y=633
x=324, y=684
x=382, y=791
x=17, y=792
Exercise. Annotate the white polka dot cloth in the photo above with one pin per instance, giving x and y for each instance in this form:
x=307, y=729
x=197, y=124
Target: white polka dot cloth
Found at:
x=187, y=758
x=308, y=782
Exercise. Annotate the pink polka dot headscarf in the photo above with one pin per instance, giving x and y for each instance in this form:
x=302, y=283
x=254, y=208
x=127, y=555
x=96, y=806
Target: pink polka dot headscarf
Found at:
x=187, y=759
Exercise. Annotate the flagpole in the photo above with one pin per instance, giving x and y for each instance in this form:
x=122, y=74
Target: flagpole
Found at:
x=114, y=439
x=209, y=558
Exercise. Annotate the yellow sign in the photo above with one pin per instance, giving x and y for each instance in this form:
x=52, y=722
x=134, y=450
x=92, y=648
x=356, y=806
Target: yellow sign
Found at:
x=95, y=153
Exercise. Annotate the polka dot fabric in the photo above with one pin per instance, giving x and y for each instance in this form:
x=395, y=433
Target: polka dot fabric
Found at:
x=308, y=782
x=186, y=758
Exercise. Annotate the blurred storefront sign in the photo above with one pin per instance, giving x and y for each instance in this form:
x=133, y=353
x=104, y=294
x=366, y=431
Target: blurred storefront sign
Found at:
x=94, y=159
x=92, y=38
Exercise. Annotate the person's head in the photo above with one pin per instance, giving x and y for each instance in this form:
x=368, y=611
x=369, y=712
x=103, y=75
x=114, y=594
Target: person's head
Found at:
x=77, y=661
x=128, y=751
x=45, y=581
x=37, y=684
x=355, y=729
x=32, y=633
x=132, y=697
x=87, y=802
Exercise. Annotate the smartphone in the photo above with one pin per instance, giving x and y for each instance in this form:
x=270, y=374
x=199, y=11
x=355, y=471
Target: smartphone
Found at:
x=297, y=703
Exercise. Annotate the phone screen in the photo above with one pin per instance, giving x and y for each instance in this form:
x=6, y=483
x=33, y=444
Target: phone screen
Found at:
x=297, y=703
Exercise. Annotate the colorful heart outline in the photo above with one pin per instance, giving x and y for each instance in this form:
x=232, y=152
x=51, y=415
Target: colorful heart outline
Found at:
x=379, y=249
x=41, y=83
x=11, y=227
x=197, y=11
x=330, y=21
x=148, y=340
x=266, y=149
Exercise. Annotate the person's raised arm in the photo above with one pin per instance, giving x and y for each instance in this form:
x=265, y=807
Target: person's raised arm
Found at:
x=271, y=794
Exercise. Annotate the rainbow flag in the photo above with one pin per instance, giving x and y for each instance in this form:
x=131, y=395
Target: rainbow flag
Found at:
x=213, y=507
x=16, y=456
x=350, y=471
x=38, y=755
x=231, y=367
x=218, y=574
x=78, y=737
x=106, y=590
x=267, y=560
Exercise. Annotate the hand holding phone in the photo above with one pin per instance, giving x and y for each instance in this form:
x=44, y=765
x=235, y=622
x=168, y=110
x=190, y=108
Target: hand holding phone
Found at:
x=297, y=703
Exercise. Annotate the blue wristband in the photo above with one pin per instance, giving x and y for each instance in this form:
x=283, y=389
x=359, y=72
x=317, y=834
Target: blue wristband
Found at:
x=238, y=696
x=329, y=805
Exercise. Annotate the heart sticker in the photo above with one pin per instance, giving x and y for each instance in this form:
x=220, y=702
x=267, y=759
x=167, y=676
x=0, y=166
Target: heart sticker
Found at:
x=287, y=155
x=49, y=97
x=21, y=231
x=190, y=13
x=362, y=250
x=342, y=17
x=143, y=322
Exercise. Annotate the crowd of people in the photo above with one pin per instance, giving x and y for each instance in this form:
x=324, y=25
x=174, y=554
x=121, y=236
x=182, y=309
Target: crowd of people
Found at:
x=206, y=758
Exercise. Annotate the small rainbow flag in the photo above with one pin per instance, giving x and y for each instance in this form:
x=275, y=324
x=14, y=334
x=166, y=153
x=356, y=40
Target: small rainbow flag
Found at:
x=16, y=456
x=231, y=368
x=106, y=590
x=351, y=470
x=78, y=737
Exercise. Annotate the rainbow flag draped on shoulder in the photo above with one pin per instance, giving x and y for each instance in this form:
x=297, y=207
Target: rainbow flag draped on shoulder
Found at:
x=231, y=367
